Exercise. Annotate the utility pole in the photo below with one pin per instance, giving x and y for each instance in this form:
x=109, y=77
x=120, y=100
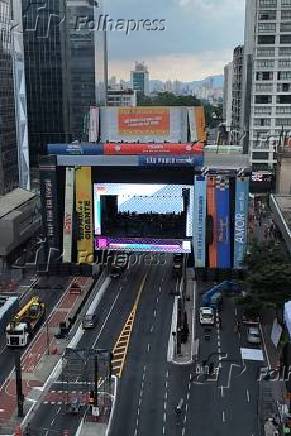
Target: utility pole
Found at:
x=19, y=388
x=95, y=378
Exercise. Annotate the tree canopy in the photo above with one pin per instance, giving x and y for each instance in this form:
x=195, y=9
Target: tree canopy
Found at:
x=213, y=114
x=268, y=281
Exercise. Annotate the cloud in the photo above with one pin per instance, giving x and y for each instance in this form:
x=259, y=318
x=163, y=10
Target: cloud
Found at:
x=176, y=66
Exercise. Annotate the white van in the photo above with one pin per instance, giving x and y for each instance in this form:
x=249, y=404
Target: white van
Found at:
x=206, y=316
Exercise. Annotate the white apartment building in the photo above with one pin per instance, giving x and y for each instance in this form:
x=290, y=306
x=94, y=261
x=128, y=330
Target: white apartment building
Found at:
x=227, y=103
x=267, y=74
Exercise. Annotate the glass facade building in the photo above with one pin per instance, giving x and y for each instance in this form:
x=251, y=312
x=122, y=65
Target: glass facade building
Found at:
x=9, y=177
x=62, y=64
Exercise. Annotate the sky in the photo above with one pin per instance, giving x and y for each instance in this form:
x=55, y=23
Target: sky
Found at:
x=198, y=40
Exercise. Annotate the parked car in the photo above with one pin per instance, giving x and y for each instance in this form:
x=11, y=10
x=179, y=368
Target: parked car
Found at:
x=254, y=335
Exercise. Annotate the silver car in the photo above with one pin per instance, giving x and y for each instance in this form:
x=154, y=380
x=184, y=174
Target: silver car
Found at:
x=254, y=335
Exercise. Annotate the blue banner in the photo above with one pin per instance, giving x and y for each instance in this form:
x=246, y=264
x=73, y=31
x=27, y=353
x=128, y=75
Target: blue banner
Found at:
x=222, y=222
x=199, y=222
x=171, y=161
x=241, y=221
x=84, y=148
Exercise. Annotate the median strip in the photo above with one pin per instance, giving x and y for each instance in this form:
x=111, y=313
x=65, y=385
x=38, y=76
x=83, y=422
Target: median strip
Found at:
x=121, y=346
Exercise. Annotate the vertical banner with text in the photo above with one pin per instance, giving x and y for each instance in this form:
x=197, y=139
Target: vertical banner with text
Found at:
x=211, y=216
x=68, y=217
x=199, y=224
x=84, y=215
x=241, y=221
x=222, y=222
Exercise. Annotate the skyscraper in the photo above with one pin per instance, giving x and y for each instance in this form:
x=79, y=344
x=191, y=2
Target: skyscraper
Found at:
x=139, y=79
x=13, y=117
x=227, y=105
x=237, y=81
x=267, y=77
x=66, y=67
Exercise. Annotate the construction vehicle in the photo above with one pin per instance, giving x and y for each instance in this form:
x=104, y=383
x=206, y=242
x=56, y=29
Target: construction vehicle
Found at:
x=23, y=325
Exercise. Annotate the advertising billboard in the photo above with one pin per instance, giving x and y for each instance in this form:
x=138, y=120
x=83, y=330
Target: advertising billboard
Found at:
x=199, y=222
x=222, y=222
x=197, y=123
x=144, y=121
x=76, y=149
x=241, y=221
x=143, y=245
x=68, y=216
x=172, y=161
x=94, y=124
x=49, y=196
x=152, y=148
x=211, y=214
x=84, y=215
x=144, y=124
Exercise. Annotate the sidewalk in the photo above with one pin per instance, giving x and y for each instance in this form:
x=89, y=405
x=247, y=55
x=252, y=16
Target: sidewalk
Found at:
x=185, y=358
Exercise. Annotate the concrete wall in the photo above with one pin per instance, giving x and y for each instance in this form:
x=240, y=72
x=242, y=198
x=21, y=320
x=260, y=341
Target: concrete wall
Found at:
x=18, y=226
x=284, y=175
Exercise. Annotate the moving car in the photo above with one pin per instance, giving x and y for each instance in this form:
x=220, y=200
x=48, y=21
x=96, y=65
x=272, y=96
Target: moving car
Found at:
x=206, y=316
x=254, y=335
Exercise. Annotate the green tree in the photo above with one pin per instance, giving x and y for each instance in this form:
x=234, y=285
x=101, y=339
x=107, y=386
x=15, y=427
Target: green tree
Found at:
x=213, y=114
x=268, y=281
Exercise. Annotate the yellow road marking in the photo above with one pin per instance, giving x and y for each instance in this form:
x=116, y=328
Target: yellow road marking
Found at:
x=121, y=346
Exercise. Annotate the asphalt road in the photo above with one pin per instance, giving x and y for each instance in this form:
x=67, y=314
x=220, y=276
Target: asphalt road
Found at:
x=113, y=310
x=222, y=404
x=50, y=291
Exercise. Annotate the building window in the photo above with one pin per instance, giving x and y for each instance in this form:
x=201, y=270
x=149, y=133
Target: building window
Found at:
x=262, y=121
x=263, y=99
x=266, y=39
x=264, y=87
x=268, y=3
x=263, y=110
x=268, y=52
x=284, y=39
x=267, y=27
x=267, y=15
x=284, y=75
x=283, y=99
x=265, y=63
x=285, y=27
x=285, y=63
x=283, y=87
x=283, y=122
x=286, y=15
x=283, y=110
x=285, y=3
x=285, y=51
x=264, y=75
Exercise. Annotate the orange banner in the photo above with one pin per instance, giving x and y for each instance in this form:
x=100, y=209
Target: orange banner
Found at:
x=144, y=121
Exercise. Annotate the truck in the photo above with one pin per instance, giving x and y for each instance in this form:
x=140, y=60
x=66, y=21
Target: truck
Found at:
x=24, y=324
x=214, y=296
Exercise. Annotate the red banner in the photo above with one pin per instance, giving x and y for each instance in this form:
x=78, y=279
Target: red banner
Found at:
x=151, y=148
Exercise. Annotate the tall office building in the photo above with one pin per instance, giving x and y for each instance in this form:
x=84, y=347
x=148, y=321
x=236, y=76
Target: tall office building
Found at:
x=66, y=67
x=237, y=82
x=13, y=117
x=139, y=79
x=227, y=105
x=267, y=78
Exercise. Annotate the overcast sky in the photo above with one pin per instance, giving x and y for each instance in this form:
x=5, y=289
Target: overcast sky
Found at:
x=198, y=41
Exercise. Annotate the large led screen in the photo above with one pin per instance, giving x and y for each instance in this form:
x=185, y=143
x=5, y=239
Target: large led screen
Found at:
x=139, y=216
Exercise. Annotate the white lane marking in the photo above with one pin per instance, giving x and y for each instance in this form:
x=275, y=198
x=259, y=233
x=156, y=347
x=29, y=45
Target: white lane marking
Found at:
x=165, y=417
x=248, y=396
x=148, y=348
x=157, y=300
x=188, y=396
x=152, y=328
x=183, y=431
x=235, y=312
x=106, y=319
x=222, y=391
x=155, y=313
x=223, y=416
x=164, y=430
x=165, y=405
